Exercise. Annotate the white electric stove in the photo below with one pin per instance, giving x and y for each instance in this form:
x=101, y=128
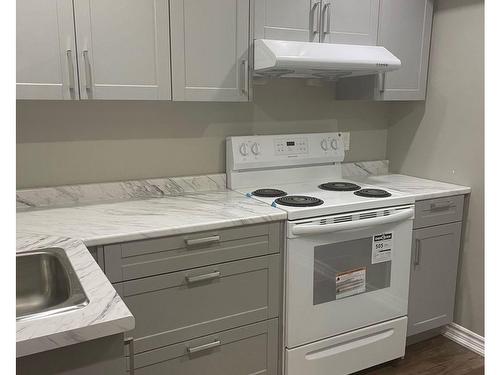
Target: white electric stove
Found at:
x=347, y=253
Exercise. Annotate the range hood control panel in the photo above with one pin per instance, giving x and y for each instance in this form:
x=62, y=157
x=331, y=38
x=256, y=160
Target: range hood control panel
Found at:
x=254, y=152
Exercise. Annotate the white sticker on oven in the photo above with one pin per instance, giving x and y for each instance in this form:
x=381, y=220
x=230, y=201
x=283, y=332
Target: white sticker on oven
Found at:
x=382, y=247
x=350, y=282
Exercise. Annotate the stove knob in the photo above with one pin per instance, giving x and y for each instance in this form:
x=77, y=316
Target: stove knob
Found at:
x=334, y=144
x=244, y=149
x=255, y=148
x=324, y=145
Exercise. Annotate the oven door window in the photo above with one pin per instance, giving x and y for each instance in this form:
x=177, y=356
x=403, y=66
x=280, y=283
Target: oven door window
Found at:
x=346, y=269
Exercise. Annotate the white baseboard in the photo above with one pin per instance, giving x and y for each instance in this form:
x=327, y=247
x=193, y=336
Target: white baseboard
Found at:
x=465, y=337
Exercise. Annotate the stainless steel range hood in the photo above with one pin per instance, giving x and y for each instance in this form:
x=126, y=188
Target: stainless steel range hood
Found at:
x=278, y=58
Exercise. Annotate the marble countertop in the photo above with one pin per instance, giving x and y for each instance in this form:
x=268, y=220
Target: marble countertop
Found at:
x=105, y=314
x=107, y=223
x=418, y=187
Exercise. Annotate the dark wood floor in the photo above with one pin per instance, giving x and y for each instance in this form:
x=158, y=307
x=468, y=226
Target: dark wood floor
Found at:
x=437, y=355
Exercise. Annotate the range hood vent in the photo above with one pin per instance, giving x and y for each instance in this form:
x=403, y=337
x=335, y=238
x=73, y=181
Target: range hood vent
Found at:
x=278, y=58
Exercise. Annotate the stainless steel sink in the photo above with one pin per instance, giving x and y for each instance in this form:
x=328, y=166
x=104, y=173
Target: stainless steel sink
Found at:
x=46, y=284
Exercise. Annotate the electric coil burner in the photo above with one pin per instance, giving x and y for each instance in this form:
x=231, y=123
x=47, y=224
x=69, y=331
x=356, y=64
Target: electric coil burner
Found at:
x=339, y=186
x=299, y=201
x=271, y=193
x=373, y=193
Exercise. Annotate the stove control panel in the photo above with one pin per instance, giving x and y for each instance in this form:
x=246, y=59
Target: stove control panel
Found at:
x=291, y=146
x=267, y=151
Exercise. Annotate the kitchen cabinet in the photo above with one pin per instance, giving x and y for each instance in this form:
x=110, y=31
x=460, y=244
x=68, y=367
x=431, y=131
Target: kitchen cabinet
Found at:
x=404, y=28
x=350, y=21
x=100, y=356
x=217, y=292
x=296, y=20
x=123, y=49
x=210, y=50
x=329, y=21
x=435, y=253
x=248, y=350
x=46, y=50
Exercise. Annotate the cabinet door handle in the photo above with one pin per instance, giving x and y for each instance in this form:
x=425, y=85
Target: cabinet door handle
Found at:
x=200, y=348
x=71, y=73
x=202, y=241
x=205, y=277
x=381, y=82
x=88, y=71
x=440, y=206
x=416, y=261
x=246, y=73
x=315, y=16
x=130, y=342
x=326, y=24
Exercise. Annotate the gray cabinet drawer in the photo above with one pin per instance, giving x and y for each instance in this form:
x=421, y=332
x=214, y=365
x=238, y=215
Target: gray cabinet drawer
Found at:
x=169, y=309
x=252, y=349
x=138, y=259
x=438, y=211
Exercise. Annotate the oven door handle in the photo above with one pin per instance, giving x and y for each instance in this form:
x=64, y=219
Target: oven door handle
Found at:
x=308, y=229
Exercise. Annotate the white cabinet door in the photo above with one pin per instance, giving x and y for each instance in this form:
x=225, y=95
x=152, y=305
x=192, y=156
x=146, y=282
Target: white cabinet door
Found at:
x=405, y=30
x=210, y=40
x=349, y=21
x=123, y=49
x=297, y=20
x=46, y=54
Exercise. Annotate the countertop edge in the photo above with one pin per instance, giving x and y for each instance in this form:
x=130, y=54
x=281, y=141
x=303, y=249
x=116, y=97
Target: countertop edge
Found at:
x=156, y=233
x=105, y=315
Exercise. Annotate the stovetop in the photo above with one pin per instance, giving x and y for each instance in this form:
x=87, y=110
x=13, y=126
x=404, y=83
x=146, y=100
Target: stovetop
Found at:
x=334, y=202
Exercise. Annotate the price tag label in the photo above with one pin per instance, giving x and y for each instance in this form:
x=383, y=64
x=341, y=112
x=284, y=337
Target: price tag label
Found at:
x=382, y=245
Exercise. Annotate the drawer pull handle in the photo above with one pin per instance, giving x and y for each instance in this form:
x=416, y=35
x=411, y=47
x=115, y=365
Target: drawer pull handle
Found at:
x=440, y=206
x=202, y=241
x=206, y=277
x=200, y=348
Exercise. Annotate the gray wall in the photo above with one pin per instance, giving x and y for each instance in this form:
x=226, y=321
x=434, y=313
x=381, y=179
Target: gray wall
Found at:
x=442, y=138
x=77, y=142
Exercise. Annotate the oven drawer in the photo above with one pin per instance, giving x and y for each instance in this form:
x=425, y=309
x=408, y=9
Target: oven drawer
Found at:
x=133, y=260
x=251, y=349
x=179, y=306
x=349, y=352
x=438, y=211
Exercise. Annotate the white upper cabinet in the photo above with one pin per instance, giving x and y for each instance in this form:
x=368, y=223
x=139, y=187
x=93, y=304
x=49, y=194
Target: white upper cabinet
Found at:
x=210, y=50
x=405, y=30
x=349, y=21
x=297, y=20
x=46, y=53
x=123, y=49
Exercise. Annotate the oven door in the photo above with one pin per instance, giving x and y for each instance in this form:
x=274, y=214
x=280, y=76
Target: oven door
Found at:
x=345, y=272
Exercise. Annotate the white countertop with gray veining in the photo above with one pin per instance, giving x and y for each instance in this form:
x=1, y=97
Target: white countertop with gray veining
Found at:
x=418, y=187
x=107, y=223
x=105, y=314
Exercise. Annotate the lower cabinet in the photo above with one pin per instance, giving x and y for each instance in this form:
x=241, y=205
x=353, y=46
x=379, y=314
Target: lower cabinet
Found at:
x=204, y=303
x=433, y=276
x=182, y=305
x=102, y=356
x=251, y=349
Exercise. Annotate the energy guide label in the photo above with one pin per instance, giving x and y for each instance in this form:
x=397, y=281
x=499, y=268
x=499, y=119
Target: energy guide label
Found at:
x=382, y=245
x=350, y=282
